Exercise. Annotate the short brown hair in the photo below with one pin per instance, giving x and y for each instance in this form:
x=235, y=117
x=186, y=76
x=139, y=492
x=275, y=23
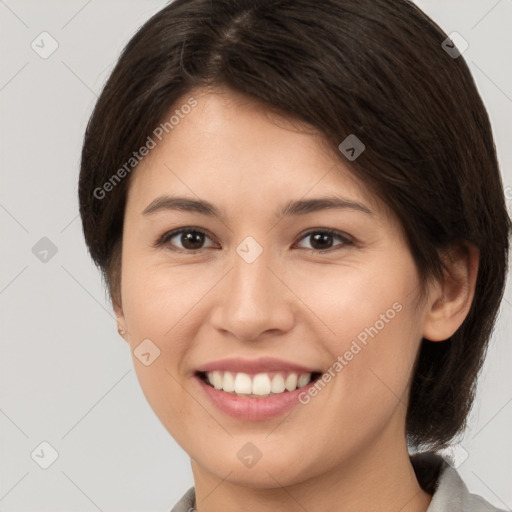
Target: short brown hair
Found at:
x=376, y=69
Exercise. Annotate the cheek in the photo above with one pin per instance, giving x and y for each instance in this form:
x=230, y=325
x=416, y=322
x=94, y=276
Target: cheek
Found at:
x=376, y=382
x=376, y=365
x=350, y=298
x=158, y=299
x=373, y=339
x=155, y=306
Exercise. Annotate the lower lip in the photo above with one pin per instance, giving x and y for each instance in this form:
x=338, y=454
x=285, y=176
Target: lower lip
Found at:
x=253, y=409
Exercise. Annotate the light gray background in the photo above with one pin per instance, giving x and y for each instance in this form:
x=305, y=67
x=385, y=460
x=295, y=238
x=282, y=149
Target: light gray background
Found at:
x=67, y=378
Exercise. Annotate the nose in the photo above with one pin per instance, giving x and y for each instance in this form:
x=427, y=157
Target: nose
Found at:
x=253, y=301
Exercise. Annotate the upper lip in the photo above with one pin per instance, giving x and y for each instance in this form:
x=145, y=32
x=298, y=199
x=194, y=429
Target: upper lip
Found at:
x=260, y=365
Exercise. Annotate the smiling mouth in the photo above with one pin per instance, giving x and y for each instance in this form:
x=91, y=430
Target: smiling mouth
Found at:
x=259, y=385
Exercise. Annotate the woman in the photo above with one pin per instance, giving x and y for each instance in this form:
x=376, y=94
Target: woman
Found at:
x=298, y=212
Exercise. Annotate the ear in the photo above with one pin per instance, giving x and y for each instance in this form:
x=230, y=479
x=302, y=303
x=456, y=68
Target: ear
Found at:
x=450, y=299
x=121, y=323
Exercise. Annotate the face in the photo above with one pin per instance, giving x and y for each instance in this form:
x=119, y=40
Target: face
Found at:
x=263, y=300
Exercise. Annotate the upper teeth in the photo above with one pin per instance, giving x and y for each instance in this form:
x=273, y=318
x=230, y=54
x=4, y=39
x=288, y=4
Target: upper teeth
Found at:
x=261, y=384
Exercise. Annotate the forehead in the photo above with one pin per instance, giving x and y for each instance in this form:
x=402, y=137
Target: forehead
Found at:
x=230, y=148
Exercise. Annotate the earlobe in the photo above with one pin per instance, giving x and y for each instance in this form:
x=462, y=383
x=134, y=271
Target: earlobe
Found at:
x=451, y=299
x=121, y=327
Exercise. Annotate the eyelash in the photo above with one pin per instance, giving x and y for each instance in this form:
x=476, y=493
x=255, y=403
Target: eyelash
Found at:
x=171, y=234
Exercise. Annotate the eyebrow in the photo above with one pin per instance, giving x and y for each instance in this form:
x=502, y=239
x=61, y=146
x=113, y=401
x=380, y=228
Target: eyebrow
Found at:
x=291, y=208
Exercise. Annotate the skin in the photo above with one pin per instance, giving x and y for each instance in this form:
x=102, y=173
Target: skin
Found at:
x=346, y=449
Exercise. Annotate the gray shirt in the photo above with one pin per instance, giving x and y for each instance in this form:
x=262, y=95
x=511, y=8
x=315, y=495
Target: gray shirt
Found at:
x=449, y=493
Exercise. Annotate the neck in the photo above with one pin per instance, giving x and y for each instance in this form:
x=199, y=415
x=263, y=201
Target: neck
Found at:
x=377, y=479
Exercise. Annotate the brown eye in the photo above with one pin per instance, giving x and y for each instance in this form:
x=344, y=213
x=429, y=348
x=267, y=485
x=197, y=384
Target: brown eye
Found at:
x=191, y=239
x=321, y=240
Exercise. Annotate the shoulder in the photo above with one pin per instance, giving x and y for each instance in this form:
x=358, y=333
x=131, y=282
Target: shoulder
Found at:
x=449, y=492
x=187, y=502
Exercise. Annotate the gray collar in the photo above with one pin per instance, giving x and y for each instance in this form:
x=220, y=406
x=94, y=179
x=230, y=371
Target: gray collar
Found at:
x=449, y=491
